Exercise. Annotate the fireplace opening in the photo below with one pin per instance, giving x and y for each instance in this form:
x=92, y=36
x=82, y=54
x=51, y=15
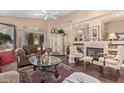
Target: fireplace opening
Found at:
x=95, y=52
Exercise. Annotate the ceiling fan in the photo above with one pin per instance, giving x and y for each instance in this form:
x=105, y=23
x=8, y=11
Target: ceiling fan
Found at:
x=48, y=15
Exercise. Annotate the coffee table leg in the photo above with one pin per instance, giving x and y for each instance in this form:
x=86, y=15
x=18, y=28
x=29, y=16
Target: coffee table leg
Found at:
x=56, y=72
x=34, y=67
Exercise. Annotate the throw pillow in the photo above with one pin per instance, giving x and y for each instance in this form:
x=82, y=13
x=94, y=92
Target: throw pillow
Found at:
x=27, y=50
x=7, y=57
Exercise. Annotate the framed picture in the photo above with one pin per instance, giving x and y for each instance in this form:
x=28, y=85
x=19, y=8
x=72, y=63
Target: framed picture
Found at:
x=94, y=32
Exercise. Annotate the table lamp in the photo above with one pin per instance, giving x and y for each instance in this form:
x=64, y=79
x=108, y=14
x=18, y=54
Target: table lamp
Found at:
x=38, y=48
x=112, y=37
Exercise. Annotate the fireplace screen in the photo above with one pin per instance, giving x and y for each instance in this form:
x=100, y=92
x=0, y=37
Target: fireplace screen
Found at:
x=95, y=52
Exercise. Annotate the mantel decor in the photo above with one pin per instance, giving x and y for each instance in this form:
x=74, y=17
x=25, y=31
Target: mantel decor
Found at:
x=57, y=31
x=94, y=32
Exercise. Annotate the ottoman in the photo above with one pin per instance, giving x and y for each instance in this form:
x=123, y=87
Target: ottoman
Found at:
x=80, y=77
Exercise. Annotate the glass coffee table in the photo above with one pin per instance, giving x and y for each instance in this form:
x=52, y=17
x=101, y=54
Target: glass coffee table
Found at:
x=42, y=66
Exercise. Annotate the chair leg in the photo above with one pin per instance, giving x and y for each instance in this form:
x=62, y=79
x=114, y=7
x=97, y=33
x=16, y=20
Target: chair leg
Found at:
x=67, y=60
x=87, y=64
x=84, y=65
x=75, y=60
x=117, y=74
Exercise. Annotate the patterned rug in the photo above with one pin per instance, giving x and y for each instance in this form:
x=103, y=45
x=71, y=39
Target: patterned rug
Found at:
x=28, y=75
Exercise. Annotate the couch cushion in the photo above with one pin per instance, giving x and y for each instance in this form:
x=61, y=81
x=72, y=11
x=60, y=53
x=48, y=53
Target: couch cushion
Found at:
x=87, y=58
x=101, y=59
x=9, y=67
x=111, y=61
x=6, y=57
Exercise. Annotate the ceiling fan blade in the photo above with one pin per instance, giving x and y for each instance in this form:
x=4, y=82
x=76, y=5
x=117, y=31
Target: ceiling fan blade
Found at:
x=53, y=17
x=46, y=17
x=44, y=11
x=54, y=13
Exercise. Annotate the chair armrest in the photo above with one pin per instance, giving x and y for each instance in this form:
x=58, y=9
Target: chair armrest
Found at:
x=78, y=54
x=9, y=77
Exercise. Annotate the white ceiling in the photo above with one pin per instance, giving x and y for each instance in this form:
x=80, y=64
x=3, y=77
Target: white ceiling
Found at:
x=31, y=13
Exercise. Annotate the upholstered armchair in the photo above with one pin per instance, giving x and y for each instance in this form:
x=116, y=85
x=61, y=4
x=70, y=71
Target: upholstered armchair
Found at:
x=116, y=62
x=74, y=54
x=22, y=58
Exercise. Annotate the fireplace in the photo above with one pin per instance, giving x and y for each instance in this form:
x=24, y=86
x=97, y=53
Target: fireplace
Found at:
x=95, y=52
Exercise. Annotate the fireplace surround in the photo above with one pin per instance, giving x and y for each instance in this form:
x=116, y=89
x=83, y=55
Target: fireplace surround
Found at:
x=95, y=52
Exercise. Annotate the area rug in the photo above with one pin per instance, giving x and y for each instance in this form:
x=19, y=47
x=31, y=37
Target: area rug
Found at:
x=28, y=75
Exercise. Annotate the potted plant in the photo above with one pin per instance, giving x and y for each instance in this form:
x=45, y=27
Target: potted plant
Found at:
x=61, y=31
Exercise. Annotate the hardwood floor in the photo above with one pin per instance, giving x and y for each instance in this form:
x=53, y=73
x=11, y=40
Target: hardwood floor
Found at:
x=93, y=70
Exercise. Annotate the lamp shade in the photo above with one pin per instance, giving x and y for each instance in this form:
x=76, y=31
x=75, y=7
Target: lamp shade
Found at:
x=38, y=48
x=112, y=36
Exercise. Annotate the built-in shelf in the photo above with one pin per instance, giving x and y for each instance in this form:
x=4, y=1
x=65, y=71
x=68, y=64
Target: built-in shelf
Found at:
x=112, y=49
x=118, y=42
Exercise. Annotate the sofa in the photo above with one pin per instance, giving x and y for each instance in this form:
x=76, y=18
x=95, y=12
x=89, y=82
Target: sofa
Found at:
x=23, y=54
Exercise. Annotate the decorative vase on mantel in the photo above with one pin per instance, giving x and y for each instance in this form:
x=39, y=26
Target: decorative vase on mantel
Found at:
x=56, y=31
x=75, y=38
